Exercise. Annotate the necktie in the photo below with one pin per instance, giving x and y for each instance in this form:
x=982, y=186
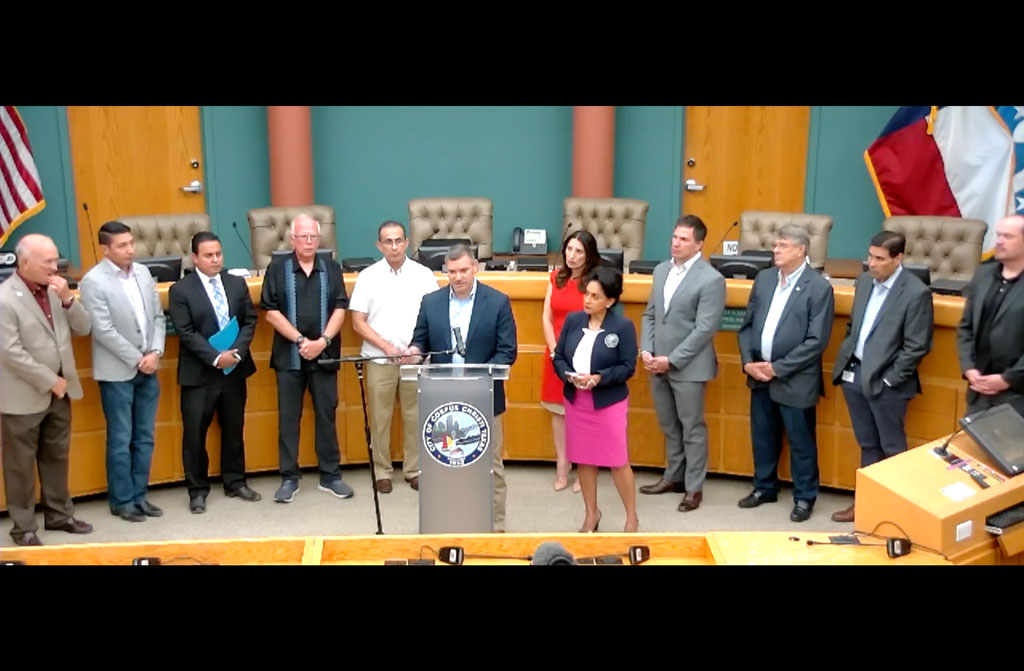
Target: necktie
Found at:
x=220, y=305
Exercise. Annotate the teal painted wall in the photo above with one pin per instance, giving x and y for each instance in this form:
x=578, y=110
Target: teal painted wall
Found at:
x=47, y=128
x=237, y=157
x=838, y=182
x=368, y=162
x=648, y=166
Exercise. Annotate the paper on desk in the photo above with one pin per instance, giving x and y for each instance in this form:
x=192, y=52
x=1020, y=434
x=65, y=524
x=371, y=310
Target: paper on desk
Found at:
x=957, y=491
x=223, y=339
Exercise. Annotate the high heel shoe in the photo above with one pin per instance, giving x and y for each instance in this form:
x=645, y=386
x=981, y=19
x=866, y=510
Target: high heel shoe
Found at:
x=636, y=527
x=585, y=530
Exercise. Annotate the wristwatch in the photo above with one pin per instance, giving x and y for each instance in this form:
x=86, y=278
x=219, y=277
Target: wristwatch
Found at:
x=301, y=339
x=327, y=339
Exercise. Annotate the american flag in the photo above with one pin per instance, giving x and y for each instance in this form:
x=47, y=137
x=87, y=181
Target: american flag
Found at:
x=21, y=192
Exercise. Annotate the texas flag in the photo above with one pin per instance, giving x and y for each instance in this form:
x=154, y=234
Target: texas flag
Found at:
x=951, y=161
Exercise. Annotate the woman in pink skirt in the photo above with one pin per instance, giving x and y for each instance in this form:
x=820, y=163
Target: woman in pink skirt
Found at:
x=595, y=356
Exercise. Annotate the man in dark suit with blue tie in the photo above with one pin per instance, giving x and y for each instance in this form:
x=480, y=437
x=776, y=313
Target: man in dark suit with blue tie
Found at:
x=889, y=332
x=785, y=330
x=467, y=312
x=200, y=305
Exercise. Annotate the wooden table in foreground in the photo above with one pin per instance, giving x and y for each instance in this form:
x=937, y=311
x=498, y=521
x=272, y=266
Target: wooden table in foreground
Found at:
x=715, y=548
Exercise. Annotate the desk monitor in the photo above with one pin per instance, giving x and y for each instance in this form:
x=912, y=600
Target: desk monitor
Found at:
x=433, y=250
x=1000, y=432
x=611, y=258
x=163, y=268
x=923, y=272
x=742, y=267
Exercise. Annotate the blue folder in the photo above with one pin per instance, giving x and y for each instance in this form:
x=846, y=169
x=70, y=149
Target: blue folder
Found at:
x=223, y=339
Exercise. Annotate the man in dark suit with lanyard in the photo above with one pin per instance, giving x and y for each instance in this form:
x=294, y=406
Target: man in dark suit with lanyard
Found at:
x=991, y=333
x=889, y=332
x=483, y=317
x=212, y=380
x=785, y=330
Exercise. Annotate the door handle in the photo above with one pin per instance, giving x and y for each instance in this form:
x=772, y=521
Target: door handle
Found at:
x=692, y=185
x=194, y=187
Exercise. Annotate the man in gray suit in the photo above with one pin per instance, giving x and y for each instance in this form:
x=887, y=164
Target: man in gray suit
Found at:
x=128, y=331
x=785, y=330
x=889, y=332
x=38, y=379
x=991, y=333
x=679, y=324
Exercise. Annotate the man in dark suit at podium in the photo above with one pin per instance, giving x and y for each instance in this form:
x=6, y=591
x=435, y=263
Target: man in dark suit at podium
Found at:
x=200, y=305
x=483, y=317
x=889, y=332
x=991, y=333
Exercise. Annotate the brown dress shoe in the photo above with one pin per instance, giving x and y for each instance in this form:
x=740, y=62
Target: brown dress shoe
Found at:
x=383, y=486
x=663, y=486
x=72, y=526
x=690, y=502
x=843, y=515
x=415, y=482
x=29, y=538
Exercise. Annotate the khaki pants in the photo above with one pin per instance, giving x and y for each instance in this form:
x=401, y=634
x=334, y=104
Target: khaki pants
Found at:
x=500, y=488
x=382, y=383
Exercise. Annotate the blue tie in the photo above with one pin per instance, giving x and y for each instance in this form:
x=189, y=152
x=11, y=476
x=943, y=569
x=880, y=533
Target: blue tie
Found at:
x=220, y=305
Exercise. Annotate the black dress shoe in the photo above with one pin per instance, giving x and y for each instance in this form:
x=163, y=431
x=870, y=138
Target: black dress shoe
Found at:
x=129, y=514
x=756, y=498
x=243, y=493
x=71, y=526
x=197, y=504
x=149, y=510
x=662, y=487
x=27, y=539
x=801, y=511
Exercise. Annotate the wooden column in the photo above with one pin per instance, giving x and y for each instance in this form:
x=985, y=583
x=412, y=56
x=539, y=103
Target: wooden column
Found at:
x=289, y=129
x=593, y=151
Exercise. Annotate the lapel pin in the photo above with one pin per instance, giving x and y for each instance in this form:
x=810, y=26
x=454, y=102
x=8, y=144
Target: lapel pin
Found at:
x=611, y=340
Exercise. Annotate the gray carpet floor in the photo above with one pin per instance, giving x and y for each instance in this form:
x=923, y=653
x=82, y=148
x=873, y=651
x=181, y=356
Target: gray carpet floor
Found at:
x=533, y=506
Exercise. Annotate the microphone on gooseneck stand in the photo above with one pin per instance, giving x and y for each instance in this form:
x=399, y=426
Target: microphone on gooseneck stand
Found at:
x=92, y=233
x=460, y=346
x=234, y=225
x=731, y=226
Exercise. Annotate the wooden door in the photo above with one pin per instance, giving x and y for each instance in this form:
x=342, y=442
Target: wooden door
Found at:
x=747, y=158
x=130, y=161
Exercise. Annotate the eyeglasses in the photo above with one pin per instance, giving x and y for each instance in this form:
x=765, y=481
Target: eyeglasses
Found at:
x=393, y=242
x=307, y=238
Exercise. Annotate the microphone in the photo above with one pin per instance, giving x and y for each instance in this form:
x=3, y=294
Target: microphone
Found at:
x=551, y=553
x=92, y=233
x=234, y=225
x=460, y=347
x=943, y=450
x=731, y=226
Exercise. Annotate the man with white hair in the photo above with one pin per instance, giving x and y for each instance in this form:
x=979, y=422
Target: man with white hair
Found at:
x=38, y=315
x=305, y=299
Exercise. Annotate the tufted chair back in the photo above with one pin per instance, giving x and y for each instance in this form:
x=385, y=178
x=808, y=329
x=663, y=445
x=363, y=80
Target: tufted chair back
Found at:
x=448, y=218
x=269, y=228
x=166, y=234
x=951, y=246
x=758, y=230
x=616, y=223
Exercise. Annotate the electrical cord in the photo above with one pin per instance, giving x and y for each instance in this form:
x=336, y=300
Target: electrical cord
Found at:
x=906, y=537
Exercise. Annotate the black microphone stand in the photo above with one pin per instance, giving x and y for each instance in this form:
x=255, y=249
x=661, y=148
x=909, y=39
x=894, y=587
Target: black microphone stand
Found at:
x=359, y=361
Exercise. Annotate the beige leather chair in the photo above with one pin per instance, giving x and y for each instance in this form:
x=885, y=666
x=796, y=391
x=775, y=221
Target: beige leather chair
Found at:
x=616, y=223
x=951, y=246
x=269, y=228
x=758, y=229
x=448, y=218
x=166, y=234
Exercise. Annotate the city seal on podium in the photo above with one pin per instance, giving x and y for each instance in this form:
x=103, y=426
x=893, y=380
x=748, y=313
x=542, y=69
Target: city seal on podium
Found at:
x=456, y=434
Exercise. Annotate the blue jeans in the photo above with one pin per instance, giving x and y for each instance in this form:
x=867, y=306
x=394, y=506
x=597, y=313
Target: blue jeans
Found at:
x=130, y=408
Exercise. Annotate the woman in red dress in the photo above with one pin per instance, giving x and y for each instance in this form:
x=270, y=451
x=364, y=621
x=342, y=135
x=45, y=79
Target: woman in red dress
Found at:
x=564, y=295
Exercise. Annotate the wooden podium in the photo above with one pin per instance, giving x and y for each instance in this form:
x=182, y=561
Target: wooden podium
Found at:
x=939, y=506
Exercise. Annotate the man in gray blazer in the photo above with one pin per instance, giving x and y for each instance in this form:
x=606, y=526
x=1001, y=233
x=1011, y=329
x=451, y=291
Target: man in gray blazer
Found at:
x=990, y=338
x=128, y=331
x=679, y=324
x=889, y=332
x=38, y=379
x=785, y=330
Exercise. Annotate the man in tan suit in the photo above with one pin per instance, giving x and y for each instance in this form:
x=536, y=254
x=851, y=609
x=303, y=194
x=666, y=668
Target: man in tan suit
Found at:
x=38, y=314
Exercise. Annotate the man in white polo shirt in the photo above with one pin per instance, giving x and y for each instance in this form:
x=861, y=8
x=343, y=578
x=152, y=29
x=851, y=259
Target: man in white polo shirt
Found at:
x=384, y=306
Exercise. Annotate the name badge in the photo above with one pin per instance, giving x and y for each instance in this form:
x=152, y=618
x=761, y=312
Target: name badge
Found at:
x=848, y=376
